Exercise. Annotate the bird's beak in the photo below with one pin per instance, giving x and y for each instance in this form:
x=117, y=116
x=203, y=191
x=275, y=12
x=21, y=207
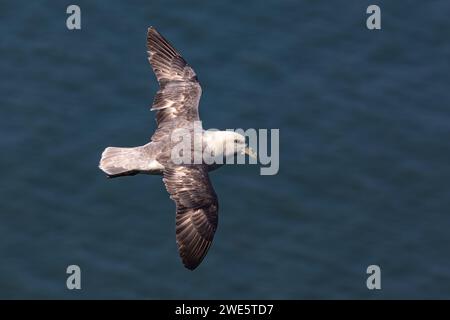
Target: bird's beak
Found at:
x=249, y=151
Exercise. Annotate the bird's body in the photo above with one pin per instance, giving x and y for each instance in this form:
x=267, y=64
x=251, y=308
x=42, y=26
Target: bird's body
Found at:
x=176, y=106
x=154, y=157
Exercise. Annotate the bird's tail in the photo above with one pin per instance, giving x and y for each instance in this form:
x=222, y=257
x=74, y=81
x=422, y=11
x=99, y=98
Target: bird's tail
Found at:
x=116, y=162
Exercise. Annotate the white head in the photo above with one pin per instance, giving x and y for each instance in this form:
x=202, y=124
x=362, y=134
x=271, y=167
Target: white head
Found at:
x=226, y=143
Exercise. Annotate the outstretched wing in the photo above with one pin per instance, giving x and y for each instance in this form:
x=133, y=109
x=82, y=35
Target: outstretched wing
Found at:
x=196, y=211
x=179, y=94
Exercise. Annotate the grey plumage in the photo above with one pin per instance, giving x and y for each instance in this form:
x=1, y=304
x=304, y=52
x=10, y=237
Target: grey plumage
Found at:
x=176, y=106
x=176, y=102
x=196, y=206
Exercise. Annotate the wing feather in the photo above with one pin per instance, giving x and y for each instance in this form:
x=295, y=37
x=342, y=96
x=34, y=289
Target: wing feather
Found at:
x=178, y=97
x=196, y=211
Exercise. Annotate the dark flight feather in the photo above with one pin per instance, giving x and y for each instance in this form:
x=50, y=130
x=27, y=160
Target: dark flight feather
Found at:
x=196, y=211
x=176, y=102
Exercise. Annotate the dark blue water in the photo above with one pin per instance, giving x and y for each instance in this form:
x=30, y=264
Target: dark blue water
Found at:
x=364, y=125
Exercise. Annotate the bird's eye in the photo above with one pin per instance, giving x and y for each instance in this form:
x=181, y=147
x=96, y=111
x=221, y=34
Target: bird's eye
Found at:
x=236, y=140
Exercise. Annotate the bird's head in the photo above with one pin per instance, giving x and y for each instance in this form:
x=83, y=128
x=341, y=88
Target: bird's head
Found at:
x=228, y=143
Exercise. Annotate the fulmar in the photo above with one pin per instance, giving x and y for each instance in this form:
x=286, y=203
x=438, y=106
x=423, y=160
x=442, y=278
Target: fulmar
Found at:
x=176, y=105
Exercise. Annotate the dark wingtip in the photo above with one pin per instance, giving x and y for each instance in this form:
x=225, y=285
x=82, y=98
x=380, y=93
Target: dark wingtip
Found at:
x=151, y=32
x=190, y=268
x=189, y=263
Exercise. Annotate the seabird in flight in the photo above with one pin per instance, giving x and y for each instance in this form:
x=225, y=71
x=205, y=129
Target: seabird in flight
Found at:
x=176, y=106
